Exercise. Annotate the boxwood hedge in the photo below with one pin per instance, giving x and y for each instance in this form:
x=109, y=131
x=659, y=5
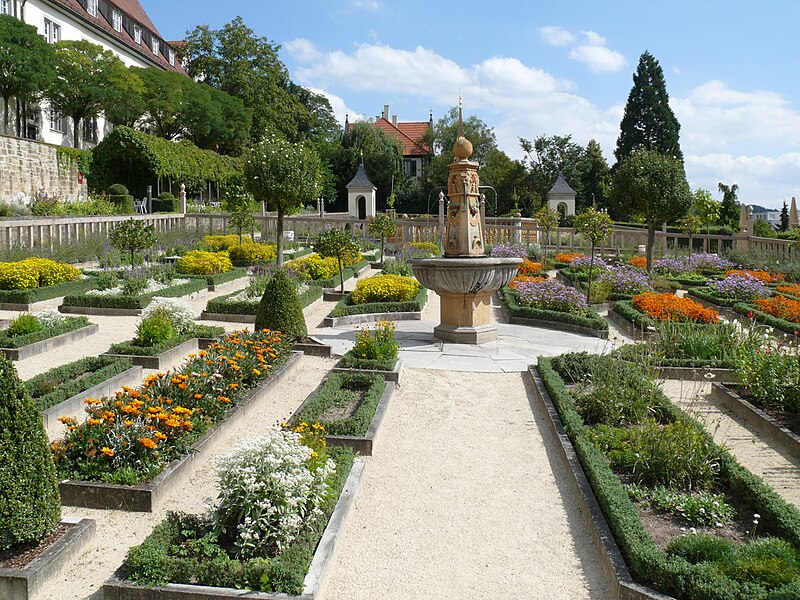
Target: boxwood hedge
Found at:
x=66, y=325
x=346, y=307
x=60, y=383
x=591, y=320
x=130, y=347
x=136, y=302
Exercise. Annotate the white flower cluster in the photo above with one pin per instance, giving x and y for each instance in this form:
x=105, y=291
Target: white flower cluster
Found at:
x=50, y=317
x=268, y=493
x=152, y=286
x=176, y=310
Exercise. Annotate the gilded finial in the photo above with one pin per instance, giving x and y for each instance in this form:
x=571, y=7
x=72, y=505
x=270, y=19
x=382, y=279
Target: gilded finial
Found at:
x=462, y=149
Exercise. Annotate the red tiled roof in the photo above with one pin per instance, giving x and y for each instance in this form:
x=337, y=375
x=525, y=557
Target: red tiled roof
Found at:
x=409, y=134
x=132, y=12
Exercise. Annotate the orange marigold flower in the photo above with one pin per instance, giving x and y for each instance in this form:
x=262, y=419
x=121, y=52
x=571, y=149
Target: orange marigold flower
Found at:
x=567, y=257
x=223, y=399
x=107, y=451
x=94, y=421
x=524, y=278
x=91, y=401
x=763, y=276
x=148, y=442
x=66, y=420
x=159, y=436
x=127, y=423
x=182, y=386
x=198, y=396
x=667, y=307
x=233, y=386
x=528, y=267
x=781, y=307
x=791, y=289
x=638, y=261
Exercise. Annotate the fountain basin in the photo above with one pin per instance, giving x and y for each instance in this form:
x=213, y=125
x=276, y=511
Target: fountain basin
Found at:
x=465, y=287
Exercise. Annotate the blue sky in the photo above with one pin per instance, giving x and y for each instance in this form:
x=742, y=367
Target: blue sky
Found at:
x=551, y=68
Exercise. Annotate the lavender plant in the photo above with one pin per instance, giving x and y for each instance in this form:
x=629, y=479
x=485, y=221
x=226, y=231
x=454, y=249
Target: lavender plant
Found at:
x=550, y=294
x=627, y=280
x=739, y=287
x=506, y=250
x=703, y=261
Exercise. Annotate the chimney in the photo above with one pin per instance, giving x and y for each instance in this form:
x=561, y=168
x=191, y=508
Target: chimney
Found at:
x=386, y=111
x=394, y=120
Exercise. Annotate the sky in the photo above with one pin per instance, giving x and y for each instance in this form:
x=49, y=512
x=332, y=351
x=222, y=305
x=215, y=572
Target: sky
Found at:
x=550, y=68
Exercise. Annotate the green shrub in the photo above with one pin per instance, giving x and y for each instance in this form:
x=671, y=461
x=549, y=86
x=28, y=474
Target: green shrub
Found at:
x=133, y=286
x=155, y=330
x=280, y=308
x=165, y=202
x=18, y=341
x=117, y=189
x=24, y=324
x=338, y=391
x=59, y=383
x=30, y=506
x=701, y=547
x=248, y=252
x=767, y=561
x=397, y=267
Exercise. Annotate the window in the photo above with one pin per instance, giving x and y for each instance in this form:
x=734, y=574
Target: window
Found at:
x=57, y=121
x=154, y=45
x=117, y=20
x=172, y=57
x=90, y=129
x=91, y=7
x=5, y=8
x=52, y=31
x=410, y=167
x=137, y=33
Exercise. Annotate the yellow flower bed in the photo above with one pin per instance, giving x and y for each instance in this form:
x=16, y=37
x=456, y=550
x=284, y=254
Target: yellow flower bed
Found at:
x=385, y=288
x=218, y=243
x=35, y=272
x=200, y=262
x=428, y=247
x=248, y=251
x=317, y=267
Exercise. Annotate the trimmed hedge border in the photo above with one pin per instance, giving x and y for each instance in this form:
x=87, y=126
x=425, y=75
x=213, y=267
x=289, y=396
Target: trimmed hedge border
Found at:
x=218, y=278
x=147, y=495
x=131, y=303
x=350, y=364
x=369, y=414
x=19, y=584
x=622, y=314
x=346, y=308
x=128, y=348
x=645, y=561
x=788, y=328
x=348, y=272
x=22, y=351
x=117, y=589
x=552, y=319
x=65, y=326
x=23, y=299
x=222, y=306
x=762, y=422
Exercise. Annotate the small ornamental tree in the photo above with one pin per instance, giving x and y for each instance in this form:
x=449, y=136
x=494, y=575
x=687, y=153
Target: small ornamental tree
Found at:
x=729, y=208
x=30, y=506
x=784, y=217
x=241, y=219
x=339, y=244
x=595, y=225
x=280, y=308
x=132, y=237
x=691, y=225
x=548, y=219
x=382, y=226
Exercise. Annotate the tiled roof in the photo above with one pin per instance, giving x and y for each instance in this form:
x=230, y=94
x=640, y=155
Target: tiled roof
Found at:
x=361, y=180
x=561, y=186
x=409, y=134
x=132, y=13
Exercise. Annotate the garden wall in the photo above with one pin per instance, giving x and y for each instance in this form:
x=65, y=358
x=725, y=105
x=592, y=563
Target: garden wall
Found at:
x=26, y=166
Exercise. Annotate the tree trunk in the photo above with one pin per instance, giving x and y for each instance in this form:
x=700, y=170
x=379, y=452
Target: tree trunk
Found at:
x=690, y=244
x=651, y=241
x=279, y=241
x=589, y=283
x=5, y=114
x=76, y=129
x=383, y=237
x=341, y=273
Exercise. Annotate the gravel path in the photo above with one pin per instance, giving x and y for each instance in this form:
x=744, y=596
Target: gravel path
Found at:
x=773, y=465
x=461, y=500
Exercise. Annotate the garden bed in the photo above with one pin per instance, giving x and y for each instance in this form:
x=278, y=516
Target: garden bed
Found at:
x=218, y=279
x=759, y=420
x=722, y=305
x=592, y=324
x=350, y=419
x=22, y=583
x=244, y=311
x=787, y=329
x=390, y=370
x=24, y=300
x=632, y=323
x=117, y=588
x=348, y=272
x=24, y=346
x=126, y=305
x=642, y=534
x=167, y=353
x=147, y=495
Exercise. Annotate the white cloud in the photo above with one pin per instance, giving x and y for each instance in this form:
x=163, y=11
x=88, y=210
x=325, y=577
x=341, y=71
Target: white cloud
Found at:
x=340, y=107
x=556, y=36
x=595, y=55
x=371, y=5
x=303, y=50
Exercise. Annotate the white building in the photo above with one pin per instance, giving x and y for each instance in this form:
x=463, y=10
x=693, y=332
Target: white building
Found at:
x=121, y=26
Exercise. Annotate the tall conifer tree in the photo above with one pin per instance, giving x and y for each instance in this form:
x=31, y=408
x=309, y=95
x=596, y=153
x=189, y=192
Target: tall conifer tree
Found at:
x=648, y=121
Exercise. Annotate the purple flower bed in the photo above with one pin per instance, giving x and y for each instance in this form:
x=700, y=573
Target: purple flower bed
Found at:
x=505, y=250
x=582, y=262
x=550, y=294
x=627, y=280
x=672, y=266
x=739, y=287
x=702, y=261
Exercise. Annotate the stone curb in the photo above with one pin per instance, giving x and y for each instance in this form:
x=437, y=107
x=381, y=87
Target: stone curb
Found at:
x=393, y=375
x=100, y=311
x=18, y=584
x=371, y=318
x=698, y=374
x=72, y=407
x=360, y=444
x=160, y=361
x=611, y=560
x=558, y=326
x=50, y=343
x=117, y=589
x=146, y=496
x=227, y=317
x=627, y=327
x=760, y=421
x=321, y=350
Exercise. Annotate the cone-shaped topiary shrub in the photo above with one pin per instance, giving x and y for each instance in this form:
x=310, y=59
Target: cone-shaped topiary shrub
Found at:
x=30, y=505
x=280, y=308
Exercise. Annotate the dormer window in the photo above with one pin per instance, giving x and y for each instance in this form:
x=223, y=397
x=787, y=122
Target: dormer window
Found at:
x=5, y=9
x=117, y=20
x=137, y=33
x=171, y=57
x=91, y=7
x=154, y=45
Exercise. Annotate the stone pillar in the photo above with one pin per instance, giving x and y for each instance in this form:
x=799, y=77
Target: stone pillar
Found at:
x=442, y=216
x=464, y=225
x=182, y=199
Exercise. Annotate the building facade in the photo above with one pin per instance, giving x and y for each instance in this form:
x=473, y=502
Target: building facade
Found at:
x=121, y=26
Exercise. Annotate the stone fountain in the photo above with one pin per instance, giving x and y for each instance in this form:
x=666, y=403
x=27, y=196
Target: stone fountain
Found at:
x=465, y=278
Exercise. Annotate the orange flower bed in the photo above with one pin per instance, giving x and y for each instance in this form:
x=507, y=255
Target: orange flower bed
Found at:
x=667, y=307
x=528, y=267
x=763, y=276
x=524, y=278
x=781, y=307
x=567, y=257
x=791, y=289
x=638, y=261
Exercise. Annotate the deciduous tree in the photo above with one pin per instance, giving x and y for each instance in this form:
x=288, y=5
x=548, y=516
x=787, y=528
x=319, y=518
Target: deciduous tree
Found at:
x=339, y=244
x=729, y=208
x=595, y=225
x=382, y=226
